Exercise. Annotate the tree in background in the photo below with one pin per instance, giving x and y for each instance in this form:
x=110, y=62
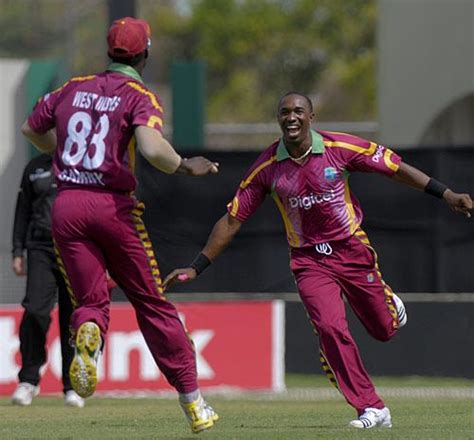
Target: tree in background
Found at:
x=258, y=50
x=74, y=31
x=255, y=50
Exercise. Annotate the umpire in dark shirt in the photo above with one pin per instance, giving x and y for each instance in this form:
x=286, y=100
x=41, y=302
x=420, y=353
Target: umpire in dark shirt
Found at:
x=32, y=232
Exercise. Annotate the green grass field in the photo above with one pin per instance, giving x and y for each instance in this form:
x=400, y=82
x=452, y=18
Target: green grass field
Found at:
x=252, y=418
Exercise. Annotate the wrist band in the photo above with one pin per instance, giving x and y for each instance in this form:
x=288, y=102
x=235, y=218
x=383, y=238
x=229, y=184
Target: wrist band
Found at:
x=200, y=263
x=435, y=188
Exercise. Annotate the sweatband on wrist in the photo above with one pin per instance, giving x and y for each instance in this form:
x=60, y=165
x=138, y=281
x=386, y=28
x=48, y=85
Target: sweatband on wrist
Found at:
x=435, y=188
x=200, y=263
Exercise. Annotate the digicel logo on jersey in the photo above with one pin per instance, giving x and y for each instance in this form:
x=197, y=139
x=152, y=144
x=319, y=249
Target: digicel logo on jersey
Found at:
x=378, y=154
x=308, y=201
x=237, y=345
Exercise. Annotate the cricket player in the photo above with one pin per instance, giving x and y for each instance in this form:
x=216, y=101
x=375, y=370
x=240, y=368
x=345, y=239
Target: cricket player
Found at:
x=306, y=173
x=93, y=124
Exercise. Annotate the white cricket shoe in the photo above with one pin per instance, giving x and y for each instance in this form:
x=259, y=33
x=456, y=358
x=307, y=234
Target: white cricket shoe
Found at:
x=24, y=394
x=372, y=418
x=199, y=414
x=71, y=398
x=402, y=313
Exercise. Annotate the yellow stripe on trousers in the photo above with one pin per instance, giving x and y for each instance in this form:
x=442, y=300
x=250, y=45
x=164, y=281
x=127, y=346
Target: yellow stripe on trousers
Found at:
x=62, y=269
x=364, y=239
x=147, y=247
x=328, y=370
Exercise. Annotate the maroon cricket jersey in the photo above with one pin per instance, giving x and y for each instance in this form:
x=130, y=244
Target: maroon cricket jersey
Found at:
x=95, y=118
x=314, y=198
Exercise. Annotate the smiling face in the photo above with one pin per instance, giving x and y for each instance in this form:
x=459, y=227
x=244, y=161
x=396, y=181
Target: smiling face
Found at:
x=294, y=117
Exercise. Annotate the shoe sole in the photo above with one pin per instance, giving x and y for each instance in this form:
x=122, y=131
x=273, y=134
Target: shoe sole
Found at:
x=19, y=402
x=74, y=403
x=83, y=369
x=202, y=426
x=382, y=425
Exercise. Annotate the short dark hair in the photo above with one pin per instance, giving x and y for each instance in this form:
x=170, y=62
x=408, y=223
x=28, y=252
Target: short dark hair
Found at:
x=308, y=100
x=131, y=61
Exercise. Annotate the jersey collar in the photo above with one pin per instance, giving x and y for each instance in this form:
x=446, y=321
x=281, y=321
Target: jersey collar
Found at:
x=317, y=146
x=126, y=70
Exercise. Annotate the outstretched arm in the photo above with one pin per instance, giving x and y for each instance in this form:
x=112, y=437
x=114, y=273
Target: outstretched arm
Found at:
x=159, y=152
x=415, y=178
x=221, y=236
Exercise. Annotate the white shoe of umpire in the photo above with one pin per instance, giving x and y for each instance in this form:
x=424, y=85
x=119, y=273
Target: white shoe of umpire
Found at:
x=71, y=398
x=372, y=418
x=24, y=394
x=402, y=313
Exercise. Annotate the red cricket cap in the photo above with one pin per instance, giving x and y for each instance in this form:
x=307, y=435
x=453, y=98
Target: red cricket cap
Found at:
x=128, y=37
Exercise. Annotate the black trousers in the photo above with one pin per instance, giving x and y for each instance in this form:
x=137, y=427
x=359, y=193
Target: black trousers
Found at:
x=44, y=284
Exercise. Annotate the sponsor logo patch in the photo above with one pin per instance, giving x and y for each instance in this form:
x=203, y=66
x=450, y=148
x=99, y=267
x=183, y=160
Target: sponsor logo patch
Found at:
x=378, y=154
x=330, y=173
x=323, y=248
x=308, y=201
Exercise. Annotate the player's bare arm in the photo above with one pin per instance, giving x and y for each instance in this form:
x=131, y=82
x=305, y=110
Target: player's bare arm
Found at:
x=45, y=142
x=159, y=152
x=415, y=178
x=220, y=237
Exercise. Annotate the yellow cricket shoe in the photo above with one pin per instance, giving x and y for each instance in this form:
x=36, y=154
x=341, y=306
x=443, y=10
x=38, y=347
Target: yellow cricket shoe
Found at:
x=214, y=416
x=199, y=414
x=83, y=369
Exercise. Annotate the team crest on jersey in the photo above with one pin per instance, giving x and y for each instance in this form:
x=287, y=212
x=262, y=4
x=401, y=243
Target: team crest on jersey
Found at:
x=370, y=277
x=330, y=173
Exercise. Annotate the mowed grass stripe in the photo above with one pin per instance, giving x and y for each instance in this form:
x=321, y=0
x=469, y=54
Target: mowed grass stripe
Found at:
x=329, y=393
x=305, y=394
x=430, y=418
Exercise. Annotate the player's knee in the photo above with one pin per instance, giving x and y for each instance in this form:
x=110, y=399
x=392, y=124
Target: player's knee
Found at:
x=383, y=333
x=382, y=337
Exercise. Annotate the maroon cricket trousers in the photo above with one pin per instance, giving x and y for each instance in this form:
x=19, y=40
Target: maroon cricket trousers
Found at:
x=323, y=274
x=95, y=231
